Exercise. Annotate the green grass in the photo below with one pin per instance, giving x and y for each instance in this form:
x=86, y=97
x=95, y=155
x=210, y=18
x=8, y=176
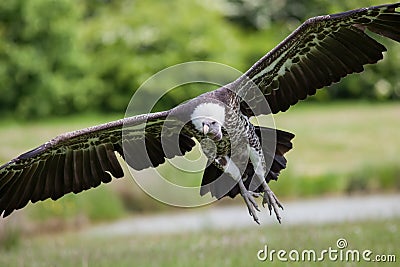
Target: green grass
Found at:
x=339, y=148
x=17, y=137
x=98, y=205
x=206, y=248
x=341, y=137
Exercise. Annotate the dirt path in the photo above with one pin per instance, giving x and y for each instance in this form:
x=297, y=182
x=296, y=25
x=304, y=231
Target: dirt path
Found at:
x=297, y=212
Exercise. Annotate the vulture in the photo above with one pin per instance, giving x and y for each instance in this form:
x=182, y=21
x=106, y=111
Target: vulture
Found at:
x=242, y=157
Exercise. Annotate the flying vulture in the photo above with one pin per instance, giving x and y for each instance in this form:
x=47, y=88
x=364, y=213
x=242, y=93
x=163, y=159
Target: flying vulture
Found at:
x=320, y=52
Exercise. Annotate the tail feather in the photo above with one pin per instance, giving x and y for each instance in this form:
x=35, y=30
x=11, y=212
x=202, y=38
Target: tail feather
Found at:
x=220, y=184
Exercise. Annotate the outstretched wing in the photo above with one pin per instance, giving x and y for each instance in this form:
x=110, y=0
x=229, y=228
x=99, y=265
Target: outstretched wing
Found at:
x=320, y=52
x=83, y=159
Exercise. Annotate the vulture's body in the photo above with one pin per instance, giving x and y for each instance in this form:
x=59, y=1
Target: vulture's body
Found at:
x=240, y=159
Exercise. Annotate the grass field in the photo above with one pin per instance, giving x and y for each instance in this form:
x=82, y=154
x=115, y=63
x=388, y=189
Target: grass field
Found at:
x=338, y=137
x=209, y=248
x=341, y=137
x=339, y=148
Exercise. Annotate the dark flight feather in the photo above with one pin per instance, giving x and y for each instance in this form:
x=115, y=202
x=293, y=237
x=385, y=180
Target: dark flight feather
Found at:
x=81, y=160
x=320, y=52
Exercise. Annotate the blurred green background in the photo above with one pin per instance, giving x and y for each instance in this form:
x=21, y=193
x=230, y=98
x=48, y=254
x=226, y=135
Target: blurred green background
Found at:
x=67, y=57
x=67, y=64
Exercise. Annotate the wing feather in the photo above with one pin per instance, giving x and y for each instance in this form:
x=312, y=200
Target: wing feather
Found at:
x=38, y=182
x=68, y=171
x=320, y=52
x=84, y=159
x=78, y=182
x=13, y=199
x=49, y=187
x=26, y=190
x=95, y=166
x=59, y=178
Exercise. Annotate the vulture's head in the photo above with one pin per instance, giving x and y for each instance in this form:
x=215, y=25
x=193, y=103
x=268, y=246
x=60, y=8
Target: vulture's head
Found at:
x=208, y=118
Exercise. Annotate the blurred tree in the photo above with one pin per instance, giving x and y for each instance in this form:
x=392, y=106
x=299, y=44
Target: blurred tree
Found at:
x=68, y=56
x=129, y=41
x=259, y=14
x=273, y=20
x=61, y=57
x=41, y=65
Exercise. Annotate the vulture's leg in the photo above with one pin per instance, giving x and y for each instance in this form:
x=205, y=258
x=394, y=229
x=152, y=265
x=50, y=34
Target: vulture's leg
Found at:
x=269, y=198
x=230, y=167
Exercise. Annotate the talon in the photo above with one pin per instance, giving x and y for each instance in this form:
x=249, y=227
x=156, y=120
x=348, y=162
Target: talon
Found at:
x=251, y=205
x=273, y=203
x=279, y=204
x=253, y=202
x=248, y=197
x=267, y=200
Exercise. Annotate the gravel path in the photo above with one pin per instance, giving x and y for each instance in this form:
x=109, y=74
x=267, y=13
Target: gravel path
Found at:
x=316, y=211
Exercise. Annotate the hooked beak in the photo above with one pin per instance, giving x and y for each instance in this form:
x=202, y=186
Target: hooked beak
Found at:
x=206, y=129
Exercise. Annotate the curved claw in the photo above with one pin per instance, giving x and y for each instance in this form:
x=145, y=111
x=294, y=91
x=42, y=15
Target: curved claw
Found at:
x=273, y=203
x=251, y=204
